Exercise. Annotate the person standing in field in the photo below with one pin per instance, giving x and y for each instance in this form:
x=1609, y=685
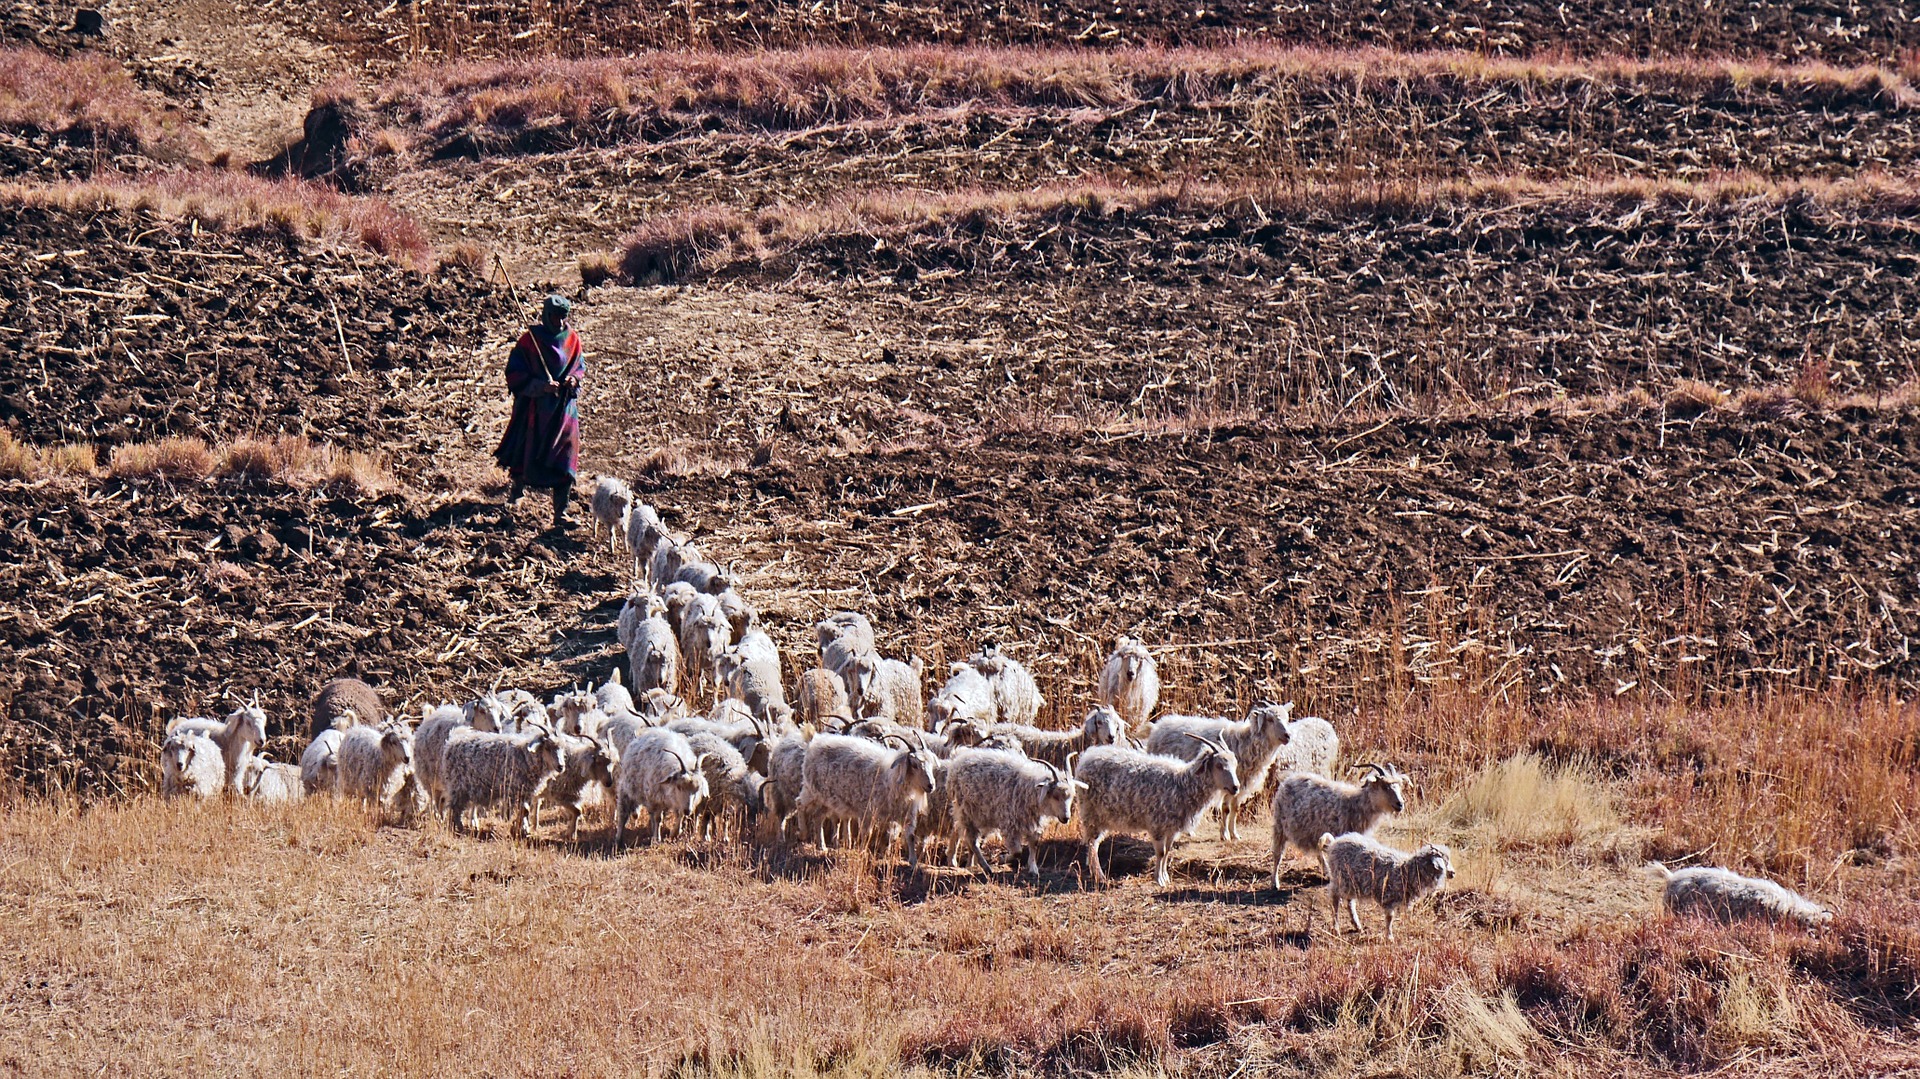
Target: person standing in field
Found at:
x=542, y=445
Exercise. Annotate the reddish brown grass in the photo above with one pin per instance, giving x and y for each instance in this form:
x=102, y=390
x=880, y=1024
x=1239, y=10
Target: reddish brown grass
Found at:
x=232, y=201
x=85, y=96
x=804, y=87
x=1813, y=385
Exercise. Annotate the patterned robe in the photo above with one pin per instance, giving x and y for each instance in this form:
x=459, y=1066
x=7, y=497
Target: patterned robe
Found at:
x=542, y=444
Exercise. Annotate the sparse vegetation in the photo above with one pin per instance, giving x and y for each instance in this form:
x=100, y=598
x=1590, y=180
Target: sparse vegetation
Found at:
x=787, y=90
x=232, y=201
x=287, y=460
x=82, y=99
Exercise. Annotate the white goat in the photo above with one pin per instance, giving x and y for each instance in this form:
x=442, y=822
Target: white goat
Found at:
x=644, y=531
x=1311, y=746
x=1307, y=806
x=190, y=763
x=967, y=696
x=1130, y=683
x=376, y=764
x=1016, y=696
x=244, y=731
x=430, y=750
x=660, y=771
x=587, y=776
x=271, y=781
x=1255, y=741
x=750, y=671
x=704, y=634
x=888, y=688
x=1725, y=896
x=485, y=769
x=612, y=505
x=853, y=631
x=320, y=764
x=822, y=697
x=996, y=790
x=1102, y=727
x=868, y=785
x=1131, y=791
x=1361, y=867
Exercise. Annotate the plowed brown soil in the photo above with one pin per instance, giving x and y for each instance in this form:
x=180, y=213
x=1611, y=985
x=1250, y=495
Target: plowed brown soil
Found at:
x=129, y=327
x=549, y=190
x=1822, y=29
x=1203, y=306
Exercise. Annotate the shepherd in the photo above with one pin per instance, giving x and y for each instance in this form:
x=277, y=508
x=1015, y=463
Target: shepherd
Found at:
x=542, y=444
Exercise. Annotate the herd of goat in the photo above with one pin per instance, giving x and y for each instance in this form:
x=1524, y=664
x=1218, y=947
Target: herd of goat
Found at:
x=855, y=755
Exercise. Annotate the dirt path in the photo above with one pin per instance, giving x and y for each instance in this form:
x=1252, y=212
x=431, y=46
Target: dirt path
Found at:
x=243, y=74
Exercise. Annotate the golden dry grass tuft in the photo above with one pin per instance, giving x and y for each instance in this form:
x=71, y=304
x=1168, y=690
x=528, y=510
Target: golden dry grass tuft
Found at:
x=174, y=459
x=17, y=459
x=1525, y=801
x=597, y=268
x=69, y=461
x=467, y=256
x=286, y=460
x=1691, y=397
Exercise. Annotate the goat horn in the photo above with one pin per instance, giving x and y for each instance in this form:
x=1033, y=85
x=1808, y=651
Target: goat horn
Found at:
x=1203, y=741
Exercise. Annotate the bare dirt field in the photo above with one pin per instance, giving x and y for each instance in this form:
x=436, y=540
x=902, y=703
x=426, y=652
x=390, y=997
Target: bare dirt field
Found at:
x=1529, y=391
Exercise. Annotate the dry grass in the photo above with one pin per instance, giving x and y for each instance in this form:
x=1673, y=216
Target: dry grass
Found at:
x=173, y=459
x=84, y=97
x=597, y=268
x=1525, y=801
x=19, y=461
x=1691, y=397
x=1813, y=385
x=286, y=460
x=247, y=938
x=470, y=257
x=775, y=90
x=232, y=201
